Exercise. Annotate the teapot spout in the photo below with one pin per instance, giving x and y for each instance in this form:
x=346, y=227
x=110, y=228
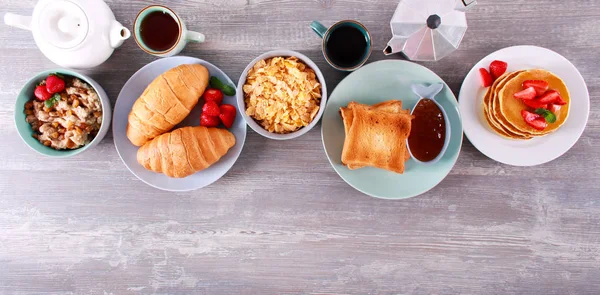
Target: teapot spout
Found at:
x=388, y=50
x=18, y=21
x=395, y=45
x=118, y=34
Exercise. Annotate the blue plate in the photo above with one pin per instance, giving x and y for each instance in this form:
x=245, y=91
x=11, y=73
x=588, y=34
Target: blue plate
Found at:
x=377, y=82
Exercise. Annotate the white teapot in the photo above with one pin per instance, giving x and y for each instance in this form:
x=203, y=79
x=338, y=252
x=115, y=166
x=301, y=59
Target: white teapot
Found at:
x=73, y=33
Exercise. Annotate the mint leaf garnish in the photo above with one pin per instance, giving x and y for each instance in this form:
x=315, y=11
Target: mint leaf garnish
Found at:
x=548, y=115
x=52, y=101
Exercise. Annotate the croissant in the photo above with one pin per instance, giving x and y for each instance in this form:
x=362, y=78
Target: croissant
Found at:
x=166, y=102
x=185, y=151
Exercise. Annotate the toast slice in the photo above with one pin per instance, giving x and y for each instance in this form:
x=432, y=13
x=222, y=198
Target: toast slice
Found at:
x=375, y=138
x=390, y=106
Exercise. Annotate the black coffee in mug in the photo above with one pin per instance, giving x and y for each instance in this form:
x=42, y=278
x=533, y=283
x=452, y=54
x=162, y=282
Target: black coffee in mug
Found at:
x=159, y=31
x=346, y=46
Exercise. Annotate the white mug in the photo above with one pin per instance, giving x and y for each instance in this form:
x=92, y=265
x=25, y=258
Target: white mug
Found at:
x=183, y=38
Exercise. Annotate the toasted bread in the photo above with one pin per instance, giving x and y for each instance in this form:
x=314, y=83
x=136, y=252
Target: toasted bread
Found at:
x=375, y=138
x=390, y=106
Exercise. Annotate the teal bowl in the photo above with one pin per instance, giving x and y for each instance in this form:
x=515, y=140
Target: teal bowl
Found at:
x=25, y=130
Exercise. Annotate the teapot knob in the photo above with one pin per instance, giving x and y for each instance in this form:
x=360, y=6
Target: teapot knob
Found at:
x=434, y=21
x=68, y=25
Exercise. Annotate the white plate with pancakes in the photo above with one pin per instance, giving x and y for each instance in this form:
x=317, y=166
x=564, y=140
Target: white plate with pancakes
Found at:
x=537, y=150
x=133, y=89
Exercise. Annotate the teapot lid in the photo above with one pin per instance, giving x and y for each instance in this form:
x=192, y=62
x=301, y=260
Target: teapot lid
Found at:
x=62, y=23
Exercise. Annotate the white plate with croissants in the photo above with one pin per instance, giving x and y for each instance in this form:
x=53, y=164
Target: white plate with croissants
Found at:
x=156, y=126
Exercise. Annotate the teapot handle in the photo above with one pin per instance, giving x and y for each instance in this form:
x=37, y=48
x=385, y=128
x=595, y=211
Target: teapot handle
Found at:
x=18, y=21
x=466, y=4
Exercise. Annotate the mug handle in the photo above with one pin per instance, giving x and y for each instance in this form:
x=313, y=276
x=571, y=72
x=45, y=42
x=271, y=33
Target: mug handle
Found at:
x=194, y=36
x=318, y=28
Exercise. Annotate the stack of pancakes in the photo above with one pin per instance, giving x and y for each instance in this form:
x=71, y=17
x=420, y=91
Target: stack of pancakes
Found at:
x=503, y=111
x=376, y=135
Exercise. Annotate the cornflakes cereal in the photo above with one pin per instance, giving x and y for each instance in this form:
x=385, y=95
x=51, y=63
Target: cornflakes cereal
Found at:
x=282, y=94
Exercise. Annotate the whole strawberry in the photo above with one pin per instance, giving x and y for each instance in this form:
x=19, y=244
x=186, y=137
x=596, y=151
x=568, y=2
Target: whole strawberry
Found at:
x=498, y=68
x=209, y=121
x=42, y=93
x=212, y=94
x=227, y=115
x=486, y=78
x=211, y=108
x=55, y=84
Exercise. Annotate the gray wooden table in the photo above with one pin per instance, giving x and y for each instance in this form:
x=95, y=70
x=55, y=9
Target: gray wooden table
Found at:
x=282, y=221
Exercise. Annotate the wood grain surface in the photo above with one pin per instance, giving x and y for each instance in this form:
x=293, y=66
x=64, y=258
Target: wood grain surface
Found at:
x=282, y=221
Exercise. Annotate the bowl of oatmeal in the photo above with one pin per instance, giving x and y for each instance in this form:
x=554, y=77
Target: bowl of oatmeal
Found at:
x=282, y=94
x=61, y=113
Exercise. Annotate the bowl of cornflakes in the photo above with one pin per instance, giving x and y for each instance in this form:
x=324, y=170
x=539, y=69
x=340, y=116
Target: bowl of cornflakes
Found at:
x=282, y=94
